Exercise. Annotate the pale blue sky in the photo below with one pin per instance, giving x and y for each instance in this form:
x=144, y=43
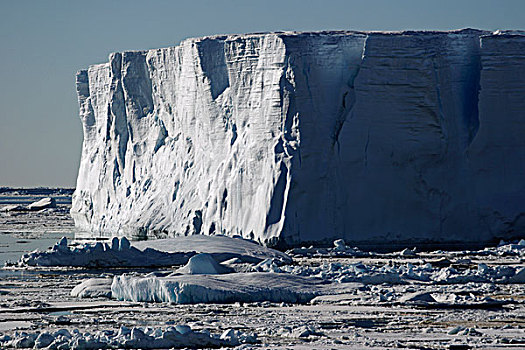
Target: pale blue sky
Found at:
x=43, y=44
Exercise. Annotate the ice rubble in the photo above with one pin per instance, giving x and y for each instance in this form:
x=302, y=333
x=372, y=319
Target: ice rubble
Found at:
x=290, y=137
x=163, y=252
x=277, y=281
x=438, y=271
x=180, y=336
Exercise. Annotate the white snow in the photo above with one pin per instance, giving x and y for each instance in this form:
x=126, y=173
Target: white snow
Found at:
x=376, y=138
x=222, y=248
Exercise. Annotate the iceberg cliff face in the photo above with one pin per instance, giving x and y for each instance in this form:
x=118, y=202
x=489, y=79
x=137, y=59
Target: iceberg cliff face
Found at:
x=306, y=137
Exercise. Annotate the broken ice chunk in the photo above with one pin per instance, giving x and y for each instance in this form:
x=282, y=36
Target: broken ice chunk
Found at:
x=44, y=203
x=204, y=264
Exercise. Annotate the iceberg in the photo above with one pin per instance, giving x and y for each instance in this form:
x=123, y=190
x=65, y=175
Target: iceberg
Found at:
x=377, y=138
x=227, y=288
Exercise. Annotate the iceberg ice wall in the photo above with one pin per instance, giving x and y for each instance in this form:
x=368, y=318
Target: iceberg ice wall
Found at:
x=287, y=138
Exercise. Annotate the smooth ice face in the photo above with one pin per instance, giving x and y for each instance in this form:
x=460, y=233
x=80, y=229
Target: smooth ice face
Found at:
x=376, y=138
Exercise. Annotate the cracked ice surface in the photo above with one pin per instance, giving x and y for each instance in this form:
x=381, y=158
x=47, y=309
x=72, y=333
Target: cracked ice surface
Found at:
x=292, y=137
x=41, y=306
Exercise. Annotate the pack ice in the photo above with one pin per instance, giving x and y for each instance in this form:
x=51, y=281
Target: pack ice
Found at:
x=291, y=137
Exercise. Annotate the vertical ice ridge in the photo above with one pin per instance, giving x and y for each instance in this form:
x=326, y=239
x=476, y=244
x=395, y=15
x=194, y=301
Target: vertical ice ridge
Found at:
x=440, y=112
x=84, y=103
x=118, y=129
x=348, y=99
x=474, y=101
x=211, y=57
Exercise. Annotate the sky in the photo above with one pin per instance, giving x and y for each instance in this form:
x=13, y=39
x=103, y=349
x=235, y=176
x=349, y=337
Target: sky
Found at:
x=44, y=43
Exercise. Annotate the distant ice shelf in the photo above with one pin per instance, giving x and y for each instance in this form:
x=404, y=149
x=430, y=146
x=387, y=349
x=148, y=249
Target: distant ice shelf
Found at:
x=287, y=138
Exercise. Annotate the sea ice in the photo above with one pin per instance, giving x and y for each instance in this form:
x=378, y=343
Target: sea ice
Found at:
x=221, y=247
x=228, y=288
x=401, y=274
x=203, y=263
x=162, y=252
x=119, y=253
x=93, y=288
x=180, y=336
x=44, y=203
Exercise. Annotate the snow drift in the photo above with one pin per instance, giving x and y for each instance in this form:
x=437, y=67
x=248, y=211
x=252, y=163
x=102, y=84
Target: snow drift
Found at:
x=307, y=137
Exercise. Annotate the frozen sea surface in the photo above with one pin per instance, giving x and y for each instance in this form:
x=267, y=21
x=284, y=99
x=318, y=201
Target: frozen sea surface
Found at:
x=361, y=312
x=25, y=231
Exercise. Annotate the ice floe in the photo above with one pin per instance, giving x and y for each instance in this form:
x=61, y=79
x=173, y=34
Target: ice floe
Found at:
x=93, y=288
x=228, y=288
x=44, y=203
x=118, y=253
x=222, y=248
x=164, y=252
x=180, y=336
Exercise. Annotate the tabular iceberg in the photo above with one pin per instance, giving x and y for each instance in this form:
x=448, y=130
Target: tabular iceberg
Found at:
x=287, y=138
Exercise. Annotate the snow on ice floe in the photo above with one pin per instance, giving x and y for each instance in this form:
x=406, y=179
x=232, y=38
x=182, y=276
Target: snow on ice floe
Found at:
x=228, y=288
x=165, y=252
x=222, y=248
x=180, y=336
x=93, y=288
